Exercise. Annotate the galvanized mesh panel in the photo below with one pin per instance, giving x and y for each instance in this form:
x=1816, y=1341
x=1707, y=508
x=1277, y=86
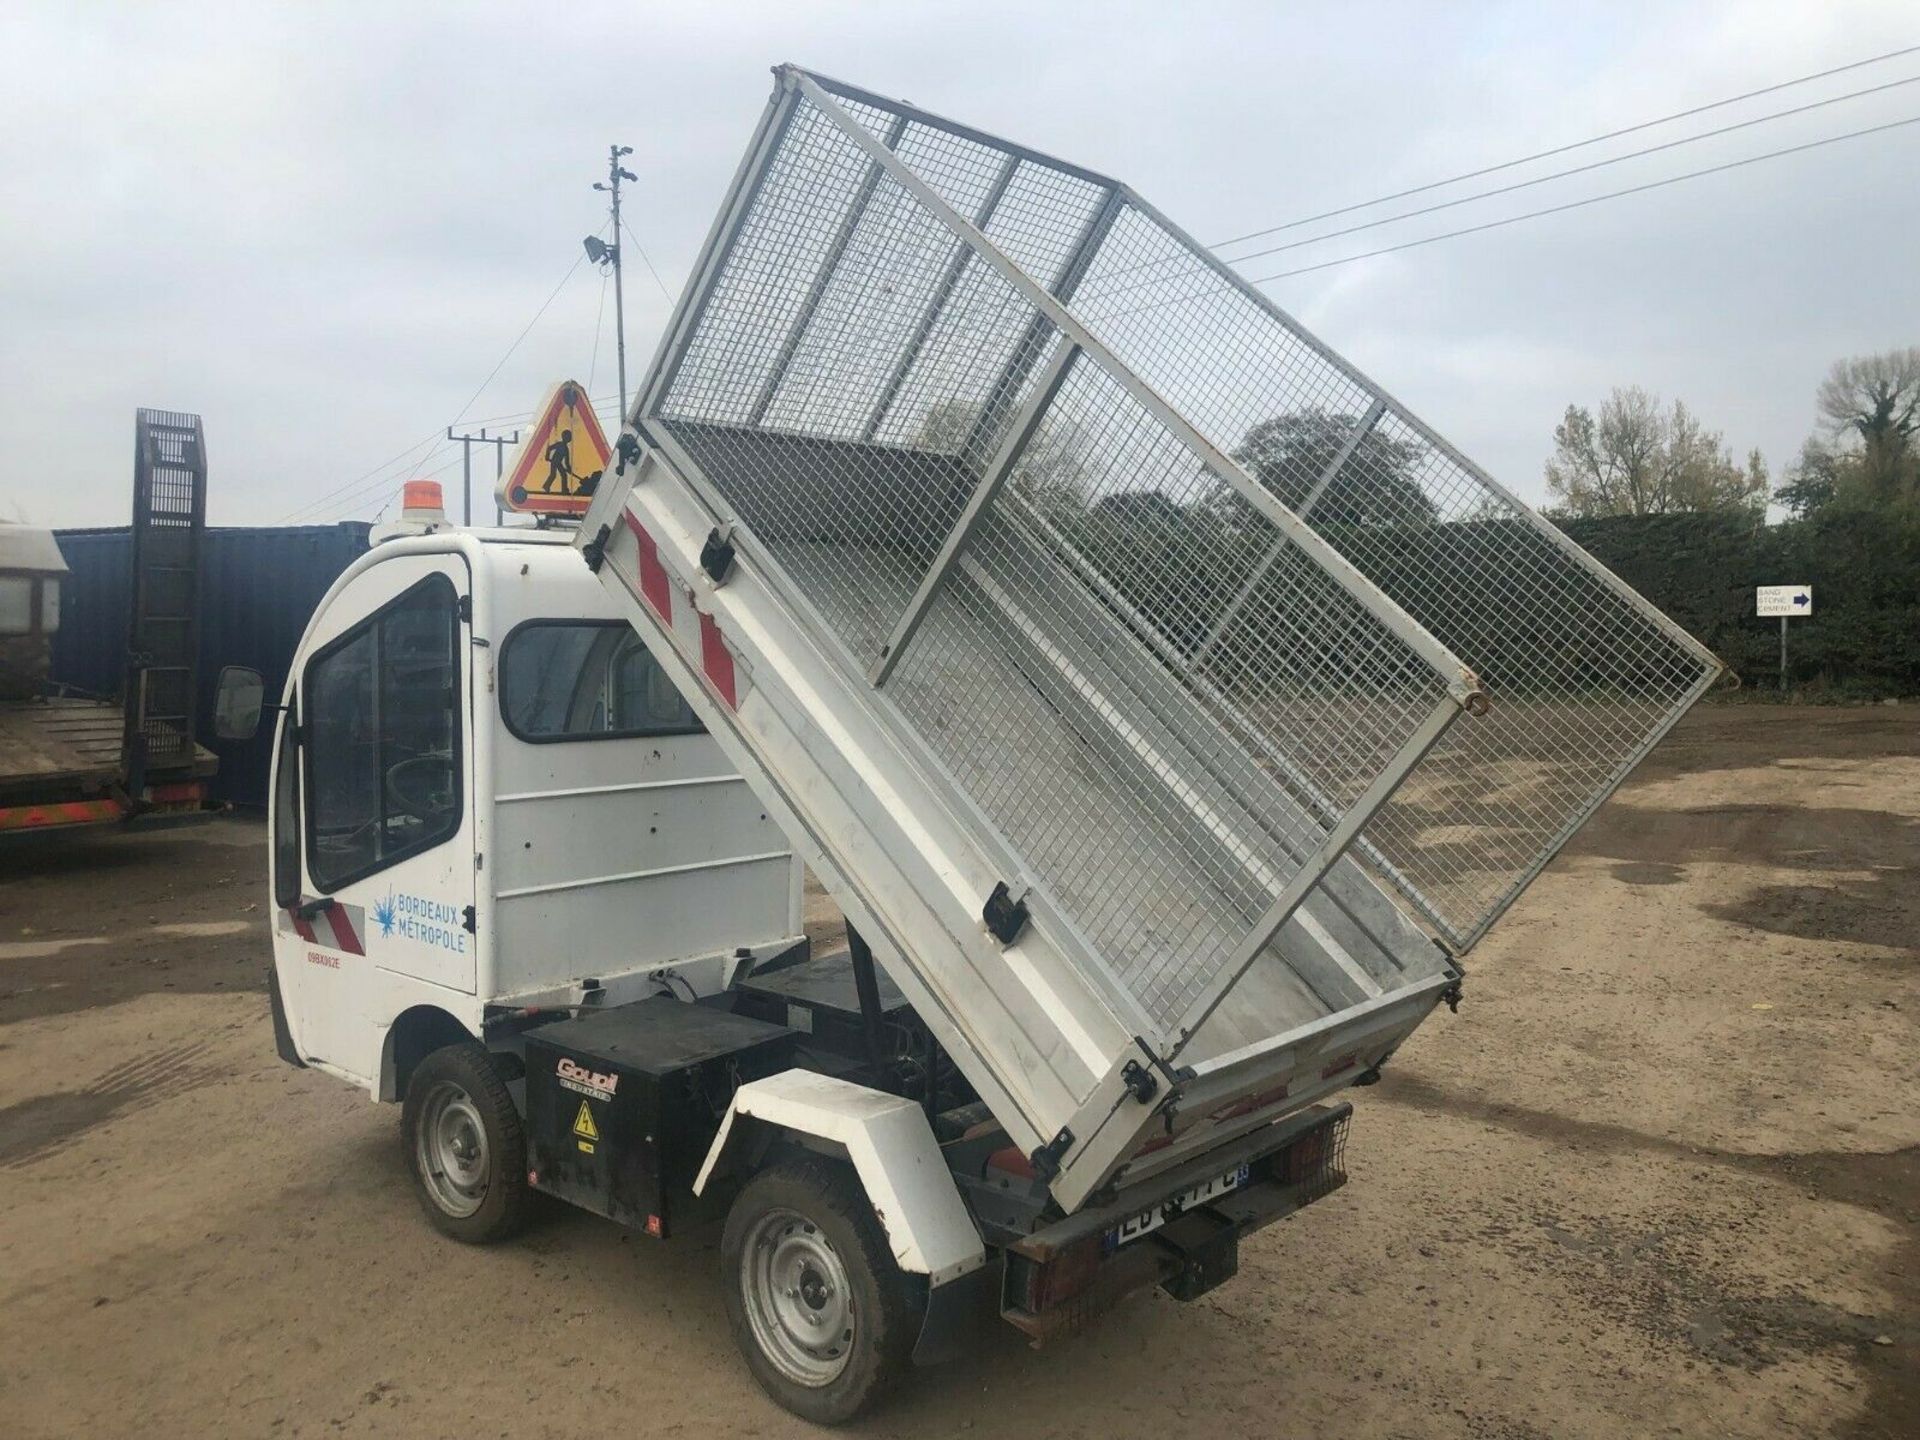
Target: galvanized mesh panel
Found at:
x=1582, y=675
x=1161, y=705
x=1165, y=835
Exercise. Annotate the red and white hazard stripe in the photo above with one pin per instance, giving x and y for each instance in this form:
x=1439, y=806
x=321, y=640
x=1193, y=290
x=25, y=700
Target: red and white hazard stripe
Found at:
x=696, y=633
x=338, y=926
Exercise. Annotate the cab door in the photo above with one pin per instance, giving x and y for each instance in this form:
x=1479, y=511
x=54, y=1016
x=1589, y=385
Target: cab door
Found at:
x=384, y=703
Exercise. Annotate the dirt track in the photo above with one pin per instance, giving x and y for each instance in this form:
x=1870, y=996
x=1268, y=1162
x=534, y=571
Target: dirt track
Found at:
x=1661, y=1175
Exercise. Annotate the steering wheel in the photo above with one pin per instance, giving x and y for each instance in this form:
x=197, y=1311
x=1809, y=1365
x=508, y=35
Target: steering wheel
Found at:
x=421, y=787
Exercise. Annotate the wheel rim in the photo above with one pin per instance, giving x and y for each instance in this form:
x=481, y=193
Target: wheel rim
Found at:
x=451, y=1146
x=798, y=1299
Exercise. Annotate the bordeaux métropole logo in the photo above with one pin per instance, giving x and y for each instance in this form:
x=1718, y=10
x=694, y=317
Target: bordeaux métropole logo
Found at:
x=417, y=918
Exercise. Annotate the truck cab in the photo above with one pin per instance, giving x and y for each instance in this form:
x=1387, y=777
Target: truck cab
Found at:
x=488, y=798
x=31, y=569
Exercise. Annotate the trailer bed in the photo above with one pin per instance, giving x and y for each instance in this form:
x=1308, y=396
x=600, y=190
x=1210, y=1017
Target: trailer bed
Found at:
x=59, y=743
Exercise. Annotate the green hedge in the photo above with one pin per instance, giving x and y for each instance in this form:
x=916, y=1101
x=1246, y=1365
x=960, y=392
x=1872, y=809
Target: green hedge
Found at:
x=1863, y=638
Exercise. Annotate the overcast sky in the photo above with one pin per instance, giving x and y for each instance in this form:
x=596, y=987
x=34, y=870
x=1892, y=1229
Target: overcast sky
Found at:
x=321, y=226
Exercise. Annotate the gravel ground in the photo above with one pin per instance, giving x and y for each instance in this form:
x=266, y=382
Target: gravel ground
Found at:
x=1660, y=1176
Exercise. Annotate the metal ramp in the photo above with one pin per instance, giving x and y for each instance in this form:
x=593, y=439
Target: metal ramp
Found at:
x=1192, y=635
x=169, y=525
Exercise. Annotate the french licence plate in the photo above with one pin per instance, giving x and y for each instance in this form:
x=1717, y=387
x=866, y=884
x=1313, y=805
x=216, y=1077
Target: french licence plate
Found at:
x=1154, y=1216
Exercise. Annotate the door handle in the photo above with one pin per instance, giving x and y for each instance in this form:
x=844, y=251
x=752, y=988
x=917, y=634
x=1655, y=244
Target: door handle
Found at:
x=311, y=909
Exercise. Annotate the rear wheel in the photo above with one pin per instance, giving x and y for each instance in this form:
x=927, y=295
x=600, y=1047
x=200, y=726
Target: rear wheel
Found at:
x=465, y=1145
x=824, y=1317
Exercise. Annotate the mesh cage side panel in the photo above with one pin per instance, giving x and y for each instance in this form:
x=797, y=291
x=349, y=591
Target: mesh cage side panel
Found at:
x=1581, y=679
x=1163, y=808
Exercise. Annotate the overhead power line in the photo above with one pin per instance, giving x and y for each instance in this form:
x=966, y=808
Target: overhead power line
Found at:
x=1191, y=266
x=1527, y=215
x=1576, y=145
x=1595, y=199
x=599, y=321
x=358, y=488
x=1574, y=170
x=347, y=503
x=647, y=259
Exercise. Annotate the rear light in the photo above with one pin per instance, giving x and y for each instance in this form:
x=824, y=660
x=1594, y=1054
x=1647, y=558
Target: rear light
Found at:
x=654, y=1226
x=1037, y=1286
x=1318, y=1155
x=1306, y=1156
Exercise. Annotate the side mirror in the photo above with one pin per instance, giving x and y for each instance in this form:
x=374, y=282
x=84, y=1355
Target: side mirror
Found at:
x=237, y=703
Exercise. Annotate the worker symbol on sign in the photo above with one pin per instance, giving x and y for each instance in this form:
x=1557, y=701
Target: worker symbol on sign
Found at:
x=559, y=458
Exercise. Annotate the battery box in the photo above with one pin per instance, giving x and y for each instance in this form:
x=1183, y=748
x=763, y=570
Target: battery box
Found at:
x=623, y=1104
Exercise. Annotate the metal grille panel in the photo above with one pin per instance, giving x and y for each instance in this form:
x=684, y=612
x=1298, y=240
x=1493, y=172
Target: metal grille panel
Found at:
x=1043, y=486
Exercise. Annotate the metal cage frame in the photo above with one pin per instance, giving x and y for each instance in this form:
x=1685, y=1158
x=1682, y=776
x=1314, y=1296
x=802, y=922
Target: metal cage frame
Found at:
x=1270, y=726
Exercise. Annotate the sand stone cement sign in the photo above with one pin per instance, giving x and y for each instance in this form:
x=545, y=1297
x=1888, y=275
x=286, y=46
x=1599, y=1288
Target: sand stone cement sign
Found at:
x=1771, y=600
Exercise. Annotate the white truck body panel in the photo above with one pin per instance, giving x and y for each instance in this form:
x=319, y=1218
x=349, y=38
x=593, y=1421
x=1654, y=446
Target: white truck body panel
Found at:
x=606, y=859
x=892, y=1150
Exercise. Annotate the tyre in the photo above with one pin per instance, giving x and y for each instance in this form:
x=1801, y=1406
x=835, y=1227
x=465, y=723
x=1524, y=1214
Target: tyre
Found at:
x=465, y=1145
x=824, y=1317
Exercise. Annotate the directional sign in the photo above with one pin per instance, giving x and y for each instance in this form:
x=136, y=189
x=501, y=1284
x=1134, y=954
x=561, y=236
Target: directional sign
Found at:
x=1772, y=600
x=558, y=466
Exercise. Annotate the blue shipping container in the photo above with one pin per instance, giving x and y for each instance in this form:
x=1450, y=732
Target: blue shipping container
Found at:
x=258, y=587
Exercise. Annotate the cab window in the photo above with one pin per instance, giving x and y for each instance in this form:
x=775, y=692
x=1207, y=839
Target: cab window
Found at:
x=383, y=752
x=586, y=680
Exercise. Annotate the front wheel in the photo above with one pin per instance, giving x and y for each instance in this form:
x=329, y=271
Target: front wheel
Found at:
x=465, y=1145
x=823, y=1315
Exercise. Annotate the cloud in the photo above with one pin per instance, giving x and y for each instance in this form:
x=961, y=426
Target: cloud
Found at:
x=321, y=227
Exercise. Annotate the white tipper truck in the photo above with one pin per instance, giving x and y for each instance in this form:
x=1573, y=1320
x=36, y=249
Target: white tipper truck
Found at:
x=1166, y=709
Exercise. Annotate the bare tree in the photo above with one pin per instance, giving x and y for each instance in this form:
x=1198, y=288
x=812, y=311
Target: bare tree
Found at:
x=1874, y=397
x=1870, y=414
x=1640, y=458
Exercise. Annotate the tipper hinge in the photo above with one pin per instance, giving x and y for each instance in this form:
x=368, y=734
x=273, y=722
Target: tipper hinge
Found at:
x=594, y=552
x=1046, y=1159
x=628, y=448
x=716, y=556
x=1139, y=1081
x=1006, y=917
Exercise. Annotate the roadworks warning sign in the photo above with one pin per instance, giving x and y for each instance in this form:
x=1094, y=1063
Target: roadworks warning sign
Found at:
x=558, y=466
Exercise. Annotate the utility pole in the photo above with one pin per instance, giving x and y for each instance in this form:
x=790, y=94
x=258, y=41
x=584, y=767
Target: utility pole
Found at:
x=611, y=254
x=467, y=442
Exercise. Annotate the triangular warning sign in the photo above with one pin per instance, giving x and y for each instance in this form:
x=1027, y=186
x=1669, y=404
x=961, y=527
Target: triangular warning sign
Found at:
x=583, y=1125
x=559, y=464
